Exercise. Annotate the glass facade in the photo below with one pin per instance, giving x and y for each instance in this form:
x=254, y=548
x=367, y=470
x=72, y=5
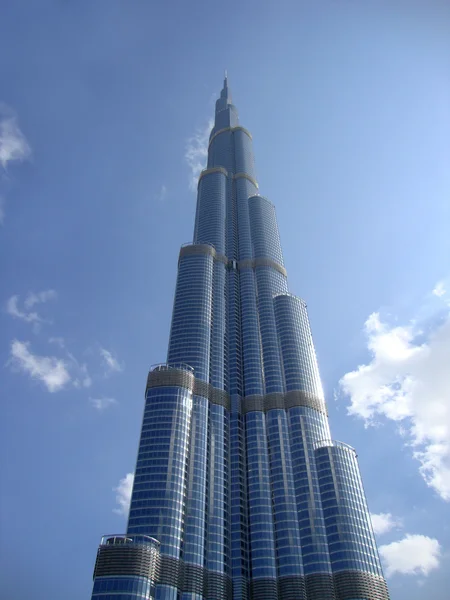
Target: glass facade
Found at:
x=237, y=482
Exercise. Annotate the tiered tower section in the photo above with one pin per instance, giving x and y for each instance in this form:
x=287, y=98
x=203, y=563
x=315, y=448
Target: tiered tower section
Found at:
x=237, y=482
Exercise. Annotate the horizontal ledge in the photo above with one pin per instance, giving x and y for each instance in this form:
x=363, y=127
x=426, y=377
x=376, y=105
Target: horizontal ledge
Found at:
x=178, y=378
x=232, y=129
x=261, y=262
x=278, y=400
x=246, y=176
x=192, y=578
x=223, y=171
x=247, y=263
x=333, y=444
x=282, y=401
x=212, y=170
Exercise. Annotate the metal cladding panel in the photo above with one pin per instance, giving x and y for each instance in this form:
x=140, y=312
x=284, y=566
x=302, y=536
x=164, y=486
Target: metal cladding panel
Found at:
x=300, y=367
x=264, y=226
x=220, y=151
x=126, y=567
x=217, y=559
x=284, y=508
x=227, y=118
x=351, y=541
x=264, y=589
x=292, y=588
x=266, y=247
x=196, y=494
x=320, y=586
x=306, y=426
x=159, y=489
x=351, y=585
x=127, y=559
x=190, y=334
x=210, y=220
x=243, y=189
x=243, y=149
x=238, y=503
x=260, y=513
x=269, y=283
x=251, y=336
x=218, y=365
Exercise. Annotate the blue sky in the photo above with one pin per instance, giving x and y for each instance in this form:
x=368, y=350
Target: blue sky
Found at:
x=103, y=112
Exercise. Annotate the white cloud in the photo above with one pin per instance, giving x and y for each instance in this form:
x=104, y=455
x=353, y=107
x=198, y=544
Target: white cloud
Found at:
x=123, y=497
x=110, y=362
x=48, y=369
x=384, y=522
x=439, y=289
x=162, y=194
x=413, y=555
x=39, y=298
x=81, y=377
x=59, y=341
x=197, y=152
x=13, y=144
x=101, y=404
x=12, y=305
x=12, y=308
x=408, y=380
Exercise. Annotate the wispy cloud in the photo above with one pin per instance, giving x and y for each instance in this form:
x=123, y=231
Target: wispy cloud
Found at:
x=59, y=341
x=50, y=370
x=39, y=298
x=102, y=404
x=25, y=313
x=162, y=194
x=439, y=289
x=413, y=555
x=407, y=381
x=13, y=145
x=110, y=362
x=123, y=496
x=197, y=152
x=384, y=522
x=81, y=377
x=12, y=308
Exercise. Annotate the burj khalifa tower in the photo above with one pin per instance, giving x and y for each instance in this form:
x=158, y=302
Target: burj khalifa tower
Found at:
x=239, y=490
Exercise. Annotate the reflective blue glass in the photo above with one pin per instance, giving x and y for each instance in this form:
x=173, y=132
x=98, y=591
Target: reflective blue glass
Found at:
x=349, y=530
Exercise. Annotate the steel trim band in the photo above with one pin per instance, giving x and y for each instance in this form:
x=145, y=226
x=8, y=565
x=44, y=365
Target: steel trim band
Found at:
x=232, y=129
x=283, y=401
x=248, y=263
x=292, y=587
x=358, y=584
x=170, y=378
x=212, y=170
x=180, y=378
x=246, y=176
x=127, y=559
x=261, y=262
x=191, y=578
x=277, y=400
x=225, y=172
x=198, y=249
x=319, y=586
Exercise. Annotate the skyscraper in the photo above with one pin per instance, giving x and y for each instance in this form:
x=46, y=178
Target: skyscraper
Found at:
x=239, y=491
